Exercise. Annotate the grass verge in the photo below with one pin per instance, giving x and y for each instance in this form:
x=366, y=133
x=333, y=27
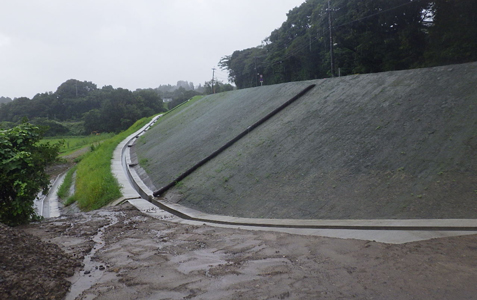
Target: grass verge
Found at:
x=180, y=106
x=64, y=189
x=95, y=185
x=73, y=143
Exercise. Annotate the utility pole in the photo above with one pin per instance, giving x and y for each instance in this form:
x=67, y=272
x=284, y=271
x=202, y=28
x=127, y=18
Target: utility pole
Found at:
x=255, y=64
x=213, y=76
x=310, y=41
x=330, y=25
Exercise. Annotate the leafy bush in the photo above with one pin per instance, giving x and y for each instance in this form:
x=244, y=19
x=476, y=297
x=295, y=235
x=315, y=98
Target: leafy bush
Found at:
x=22, y=171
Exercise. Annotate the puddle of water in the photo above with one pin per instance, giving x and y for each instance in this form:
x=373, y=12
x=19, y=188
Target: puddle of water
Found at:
x=92, y=270
x=198, y=260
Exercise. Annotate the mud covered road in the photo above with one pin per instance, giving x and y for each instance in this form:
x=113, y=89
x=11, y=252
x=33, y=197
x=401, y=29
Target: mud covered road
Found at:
x=130, y=255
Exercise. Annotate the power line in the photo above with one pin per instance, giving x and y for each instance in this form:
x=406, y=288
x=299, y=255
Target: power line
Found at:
x=375, y=14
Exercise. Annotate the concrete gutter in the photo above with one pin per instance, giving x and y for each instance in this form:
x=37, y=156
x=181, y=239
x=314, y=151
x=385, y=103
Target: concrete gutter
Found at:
x=131, y=185
x=385, y=230
x=377, y=224
x=47, y=205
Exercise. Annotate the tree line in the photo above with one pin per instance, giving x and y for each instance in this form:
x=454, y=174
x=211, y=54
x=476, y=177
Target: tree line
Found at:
x=5, y=99
x=98, y=110
x=80, y=107
x=324, y=38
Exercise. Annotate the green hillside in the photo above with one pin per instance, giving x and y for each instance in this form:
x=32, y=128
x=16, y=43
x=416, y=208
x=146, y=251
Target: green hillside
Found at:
x=387, y=145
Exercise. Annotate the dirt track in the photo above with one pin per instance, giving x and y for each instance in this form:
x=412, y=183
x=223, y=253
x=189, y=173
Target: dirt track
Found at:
x=145, y=258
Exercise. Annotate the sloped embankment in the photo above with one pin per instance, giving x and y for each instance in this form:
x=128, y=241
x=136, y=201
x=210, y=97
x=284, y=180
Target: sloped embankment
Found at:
x=388, y=145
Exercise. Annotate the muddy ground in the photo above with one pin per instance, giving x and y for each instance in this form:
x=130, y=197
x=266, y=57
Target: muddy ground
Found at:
x=130, y=255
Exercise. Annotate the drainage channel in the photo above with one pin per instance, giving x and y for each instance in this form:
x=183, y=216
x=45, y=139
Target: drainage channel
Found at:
x=47, y=205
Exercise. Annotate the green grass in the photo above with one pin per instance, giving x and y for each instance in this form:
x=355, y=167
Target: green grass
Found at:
x=185, y=103
x=73, y=143
x=64, y=189
x=179, y=107
x=143, y=163
x=95, y=185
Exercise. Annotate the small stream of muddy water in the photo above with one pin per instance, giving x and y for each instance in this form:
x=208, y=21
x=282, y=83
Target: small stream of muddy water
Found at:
x=92, y=270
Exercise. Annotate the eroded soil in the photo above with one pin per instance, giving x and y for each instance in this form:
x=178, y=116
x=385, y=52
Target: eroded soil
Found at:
x=138, y=257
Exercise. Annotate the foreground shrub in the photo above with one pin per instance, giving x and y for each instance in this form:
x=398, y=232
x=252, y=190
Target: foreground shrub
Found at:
x=23, y=161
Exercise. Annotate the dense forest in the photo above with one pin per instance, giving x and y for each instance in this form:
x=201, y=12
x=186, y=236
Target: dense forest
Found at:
x=80, y=107
x=324, y=38
x=81, y=102
x=5, y=100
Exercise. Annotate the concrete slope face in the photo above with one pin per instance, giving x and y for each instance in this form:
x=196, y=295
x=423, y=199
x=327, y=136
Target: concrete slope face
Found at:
x=388, y=145
x=191, y=133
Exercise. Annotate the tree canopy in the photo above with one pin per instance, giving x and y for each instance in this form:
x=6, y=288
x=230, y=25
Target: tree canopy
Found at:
x=366, y=36
x=102, y=110
x=105, y=109
x=5, y=100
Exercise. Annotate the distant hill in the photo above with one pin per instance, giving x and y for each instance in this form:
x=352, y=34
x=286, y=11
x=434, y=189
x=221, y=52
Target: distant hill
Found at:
x=388, y=145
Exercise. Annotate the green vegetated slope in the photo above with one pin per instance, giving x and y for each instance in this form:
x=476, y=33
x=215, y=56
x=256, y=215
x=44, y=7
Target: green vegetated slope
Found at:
x=388, y=145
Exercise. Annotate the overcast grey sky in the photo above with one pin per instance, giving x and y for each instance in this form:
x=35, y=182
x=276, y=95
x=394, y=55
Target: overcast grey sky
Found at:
x=126, y=43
